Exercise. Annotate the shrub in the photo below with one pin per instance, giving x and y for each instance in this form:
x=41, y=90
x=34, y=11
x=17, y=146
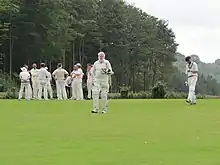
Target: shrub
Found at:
x=12, y=93
x=158, y=91
x=124, y=91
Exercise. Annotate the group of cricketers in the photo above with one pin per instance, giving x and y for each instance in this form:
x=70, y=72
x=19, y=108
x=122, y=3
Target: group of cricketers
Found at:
x=37, y=82
x=98, y=76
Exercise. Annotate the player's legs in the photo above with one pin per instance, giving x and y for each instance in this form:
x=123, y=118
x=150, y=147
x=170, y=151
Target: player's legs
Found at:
x=45, y=90
x=95, y=96
x=59, y=94
x=63, y=90
x=35, y=88
x=73, y=85
x=104, y=96
x=192, y=89
x=80, y=90
x=50, y=91
x=89, y=88
x=40, y=89
x=21, y=91
x=27, y=91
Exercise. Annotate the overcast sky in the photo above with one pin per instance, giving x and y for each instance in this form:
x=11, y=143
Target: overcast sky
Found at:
x=196, y=24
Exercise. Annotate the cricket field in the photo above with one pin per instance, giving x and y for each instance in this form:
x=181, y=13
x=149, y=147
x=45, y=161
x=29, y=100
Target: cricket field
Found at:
x=133, y=132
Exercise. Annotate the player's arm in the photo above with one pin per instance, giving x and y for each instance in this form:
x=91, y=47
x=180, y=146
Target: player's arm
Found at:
x=110, y=71
x=54, y=74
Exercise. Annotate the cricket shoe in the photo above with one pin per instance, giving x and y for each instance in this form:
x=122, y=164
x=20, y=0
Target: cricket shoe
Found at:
x=103, y=112
x=94, y=111
x=188, y=101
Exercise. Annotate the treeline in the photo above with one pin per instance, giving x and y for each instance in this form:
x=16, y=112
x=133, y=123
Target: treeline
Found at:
x=140, y=47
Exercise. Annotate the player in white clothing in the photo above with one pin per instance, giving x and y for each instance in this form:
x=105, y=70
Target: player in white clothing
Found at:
x=42, y=79
x=79, y=83
x=49, y=88
x=100, y=72
x=25, y=84
x=34, y=81
x=59, y=76
x=89, y=81
x=192, y=76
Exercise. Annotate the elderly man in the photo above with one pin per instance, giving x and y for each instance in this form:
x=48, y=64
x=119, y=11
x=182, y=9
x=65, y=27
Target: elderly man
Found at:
x=59, y=76
x=192, y=76
x=25, y=84
x=34, y=80
x=101, y=71
x=42, y=79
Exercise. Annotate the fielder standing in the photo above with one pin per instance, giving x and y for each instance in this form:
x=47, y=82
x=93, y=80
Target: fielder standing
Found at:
x=192, y=75
x=25, y=84
x=34, y=80
x=42, y=79
x=49, y=88
x=100, y=72
x=59, y=76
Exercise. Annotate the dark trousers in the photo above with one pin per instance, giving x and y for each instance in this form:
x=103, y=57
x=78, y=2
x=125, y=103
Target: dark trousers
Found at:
x=68, y=92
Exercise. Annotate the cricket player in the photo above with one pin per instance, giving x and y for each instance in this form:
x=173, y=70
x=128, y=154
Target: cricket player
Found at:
x=192, y=76
x=73, y=84
x=100, y=72
x=77, y=75
x=79, y=83
x=42, y=79
x=59, y=76
x=34, y=80
x=49, y=88
x=29, y=85
x=25, y=84
x=89, y=81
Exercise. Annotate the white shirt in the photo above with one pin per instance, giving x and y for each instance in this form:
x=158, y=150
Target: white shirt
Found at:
x=77, y=74
x=24, y=77
x=42, y=74
x=60, y=73
x=193, y=67
x=97, y=70
x=34, y=74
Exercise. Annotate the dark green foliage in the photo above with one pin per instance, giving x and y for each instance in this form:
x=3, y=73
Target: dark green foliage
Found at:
x=158, y=91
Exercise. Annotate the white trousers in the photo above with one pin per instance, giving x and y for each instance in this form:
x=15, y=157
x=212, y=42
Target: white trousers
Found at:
x=89, y=88
x=61, y=91
x=27, y=88
x=35, y=87
x=50, y=90
x=77, y=92
x=42, y=86
x=103, y=88
x=192, y=86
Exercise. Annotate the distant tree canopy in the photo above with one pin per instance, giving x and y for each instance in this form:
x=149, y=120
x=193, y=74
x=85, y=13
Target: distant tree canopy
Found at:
x=141, y=47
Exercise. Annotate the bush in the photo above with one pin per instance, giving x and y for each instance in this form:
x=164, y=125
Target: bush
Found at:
x=6, y=83
x=124, y=91
x=158, y=91
x=139, y=95
x=12, y=93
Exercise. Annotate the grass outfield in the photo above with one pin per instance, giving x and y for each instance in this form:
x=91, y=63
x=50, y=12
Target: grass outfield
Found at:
x=133, y=132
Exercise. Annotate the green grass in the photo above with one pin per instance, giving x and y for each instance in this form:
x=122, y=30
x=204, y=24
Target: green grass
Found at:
x=134, y=132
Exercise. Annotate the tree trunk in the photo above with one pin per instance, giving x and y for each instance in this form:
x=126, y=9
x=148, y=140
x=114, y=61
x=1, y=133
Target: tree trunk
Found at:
x=64, y=57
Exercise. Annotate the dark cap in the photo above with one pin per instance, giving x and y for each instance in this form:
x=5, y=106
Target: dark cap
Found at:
x=42, y=64
x=188, y=58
